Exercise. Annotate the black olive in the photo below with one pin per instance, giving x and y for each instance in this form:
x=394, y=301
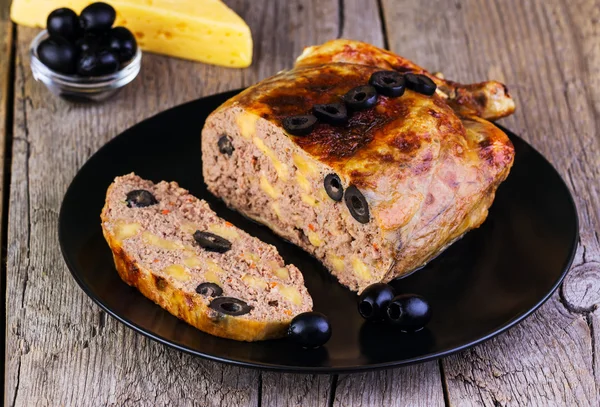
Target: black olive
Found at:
x=122, y=41
x=334, y=113
x=361, y=97
x=97, y=17
x=225, y=145
x=140, y=198
x=63, y=22
x=310, y=329
x=374, y=300
x=230, y=306
x=299, y=125
x=410, y=312
x=357, y=204
x=420, y=83
x=209, y=290
x=89, y=43
x=333, y=187
x=212, y=242
x=58, y=54
x=388, y=83
x=98, y=63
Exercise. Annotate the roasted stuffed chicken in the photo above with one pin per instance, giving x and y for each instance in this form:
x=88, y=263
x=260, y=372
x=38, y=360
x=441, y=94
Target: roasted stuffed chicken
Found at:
x=361, y=157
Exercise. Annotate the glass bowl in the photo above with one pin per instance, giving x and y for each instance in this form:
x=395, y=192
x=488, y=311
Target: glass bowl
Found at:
x=77, y=88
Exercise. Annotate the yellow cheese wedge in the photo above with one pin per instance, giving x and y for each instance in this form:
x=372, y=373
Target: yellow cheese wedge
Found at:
x=200, y=30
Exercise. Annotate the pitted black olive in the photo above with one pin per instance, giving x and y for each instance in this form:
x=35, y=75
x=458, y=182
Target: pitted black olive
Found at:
x=310, y=329
x=140, y=198
x=212, y=242
x=299, y=125
x=374, y=300
x=97, y=63
x=333, y=187
x=58, y=54
x=388, y=83
x=334, y=113
x=361, y=98
x=122, y=41
x=410, y=312
x=225, y=146
x=97, y=17
x=357, y=204
x=420, y=83
x=63, y=22
x=230, y=306
x=209, y=290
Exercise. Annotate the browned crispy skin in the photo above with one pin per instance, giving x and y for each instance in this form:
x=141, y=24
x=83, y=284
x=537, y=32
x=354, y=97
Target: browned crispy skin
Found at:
x=489, y=100
x=429, y=166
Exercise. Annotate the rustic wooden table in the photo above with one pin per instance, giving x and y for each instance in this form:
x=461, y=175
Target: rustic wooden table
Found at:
x=61, y=349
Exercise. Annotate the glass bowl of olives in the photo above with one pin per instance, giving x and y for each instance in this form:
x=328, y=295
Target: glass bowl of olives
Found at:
x=83, y=58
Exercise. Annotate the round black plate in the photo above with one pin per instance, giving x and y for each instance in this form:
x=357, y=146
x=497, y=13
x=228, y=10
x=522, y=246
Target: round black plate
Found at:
x=482, y=285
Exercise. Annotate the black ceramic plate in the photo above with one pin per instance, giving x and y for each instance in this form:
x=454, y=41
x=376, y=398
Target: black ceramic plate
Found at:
x=482, y=285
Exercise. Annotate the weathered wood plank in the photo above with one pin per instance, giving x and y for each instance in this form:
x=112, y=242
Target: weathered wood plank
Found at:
x=5, y=123
x=296, y=390
x=547, y=53
x=417, y=385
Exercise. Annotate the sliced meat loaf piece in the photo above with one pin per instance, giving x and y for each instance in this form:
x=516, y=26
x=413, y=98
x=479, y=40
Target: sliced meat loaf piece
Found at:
x=221, y=280
x=416, y=171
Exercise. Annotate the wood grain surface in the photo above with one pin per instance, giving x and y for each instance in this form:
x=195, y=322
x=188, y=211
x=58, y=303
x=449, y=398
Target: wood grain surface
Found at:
x=61, y=349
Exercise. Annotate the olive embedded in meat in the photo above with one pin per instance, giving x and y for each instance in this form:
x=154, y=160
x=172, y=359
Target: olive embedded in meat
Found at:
x=333, y=187
x=98, y=63
x=334, y=113
x=299, y=125
x=209, y=290
x=58, y=54
x=310, y=329
x=374, y=300
x=140, y=198
x=122, y=41
x=225, y=145
x=388, y=83
x=357, y=204
x=420, y=83
x=361, y=98
x=97, y=17
x=63, y=22
x=212, y=242
x=230, y=306
x=410, y=312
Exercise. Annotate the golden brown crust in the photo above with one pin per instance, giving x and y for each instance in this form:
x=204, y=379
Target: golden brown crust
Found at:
x=189, y=308
x=489, y=100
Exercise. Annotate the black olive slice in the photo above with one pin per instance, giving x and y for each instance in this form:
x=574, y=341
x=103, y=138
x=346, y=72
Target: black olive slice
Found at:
x=333, y=187
x=140, y=198
x=357, y=204
x=333, y=113
x=299, y=125
x=225, y=146
x=209, y=290
x=230, y=306
x=212, y=242
x=361, y=98
x=420, y=83
x=388, y=83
